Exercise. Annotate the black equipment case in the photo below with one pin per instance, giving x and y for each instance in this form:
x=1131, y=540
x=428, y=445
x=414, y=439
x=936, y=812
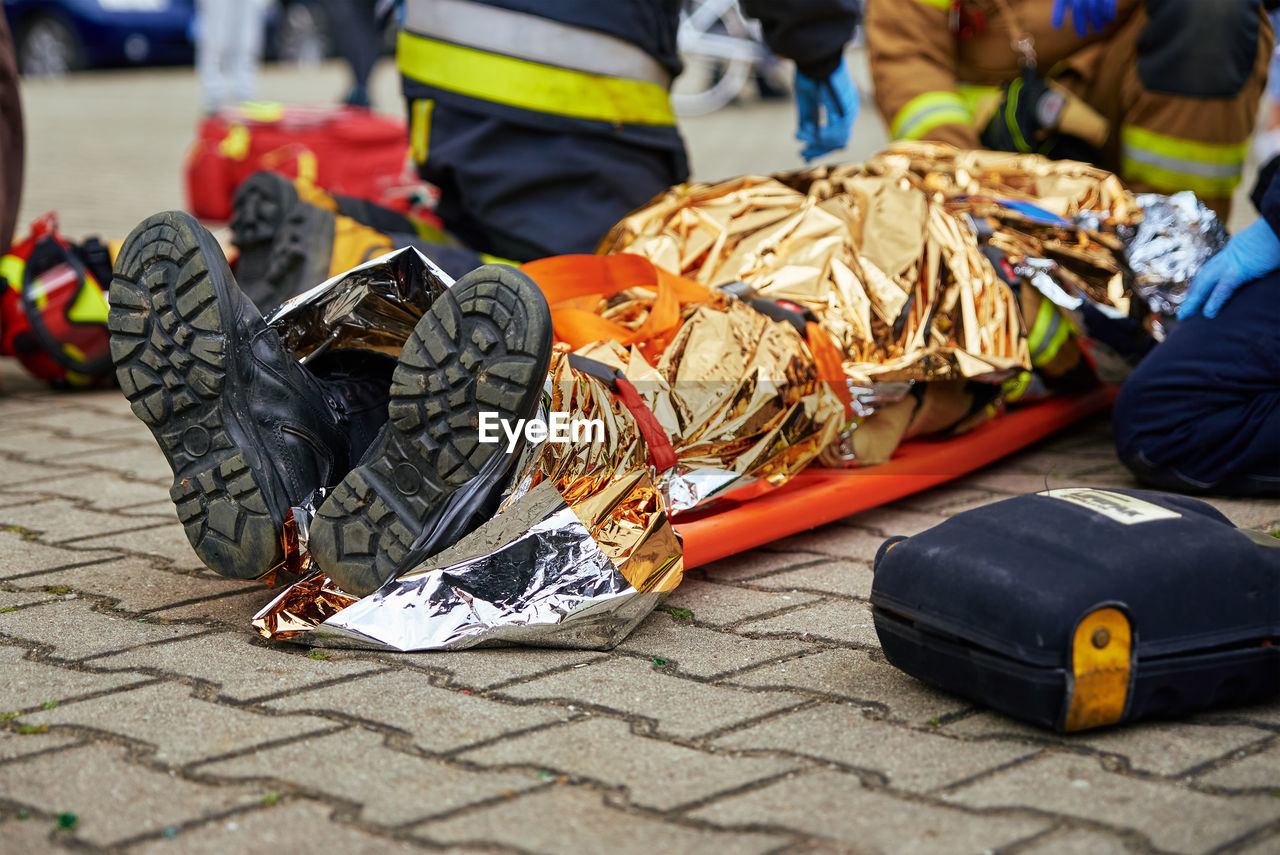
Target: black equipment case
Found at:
x=1078, y=608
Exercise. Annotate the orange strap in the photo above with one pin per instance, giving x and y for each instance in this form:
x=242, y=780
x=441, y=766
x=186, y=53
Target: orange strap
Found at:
x=829, y=362
x=575, y=285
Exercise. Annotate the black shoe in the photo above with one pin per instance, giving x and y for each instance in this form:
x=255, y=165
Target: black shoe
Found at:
x=247, y=430
x=258, y=210
x=484, y=346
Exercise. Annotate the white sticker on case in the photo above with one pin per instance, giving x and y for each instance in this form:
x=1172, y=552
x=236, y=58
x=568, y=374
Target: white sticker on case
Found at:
x=1117, y=506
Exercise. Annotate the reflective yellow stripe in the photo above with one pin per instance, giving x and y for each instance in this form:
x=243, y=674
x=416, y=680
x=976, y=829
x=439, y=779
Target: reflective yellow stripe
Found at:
x=90, y=306
x=420, y=129
x=972, y=94
x=1047, y=334
x=1171, y=163
x=925, y=112
x=944, y=5
x=1016, y=386
x=12, y=268
x=530, y=85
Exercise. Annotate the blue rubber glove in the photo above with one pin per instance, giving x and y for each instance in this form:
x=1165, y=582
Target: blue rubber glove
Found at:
x=1084, y=13
x=825, y=111
x=1250, y=254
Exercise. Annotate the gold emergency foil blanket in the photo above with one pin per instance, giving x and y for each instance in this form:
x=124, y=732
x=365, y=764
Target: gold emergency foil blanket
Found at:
x=739, y=398
x=896, y=279
x=541, y=572
x=887, y=253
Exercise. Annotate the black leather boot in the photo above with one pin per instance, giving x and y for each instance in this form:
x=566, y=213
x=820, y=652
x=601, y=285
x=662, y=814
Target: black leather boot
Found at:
x=427, y=480
x=247, y=430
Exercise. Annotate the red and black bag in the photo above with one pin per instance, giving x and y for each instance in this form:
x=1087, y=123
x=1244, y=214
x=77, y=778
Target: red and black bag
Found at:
x=53, y=307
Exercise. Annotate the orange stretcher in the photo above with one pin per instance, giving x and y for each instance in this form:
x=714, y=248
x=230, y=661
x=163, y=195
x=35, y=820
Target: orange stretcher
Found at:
x=819, y=496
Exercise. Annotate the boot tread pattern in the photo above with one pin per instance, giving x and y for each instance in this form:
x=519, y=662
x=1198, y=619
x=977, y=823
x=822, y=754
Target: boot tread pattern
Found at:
x=484, y=346
x=169, y=345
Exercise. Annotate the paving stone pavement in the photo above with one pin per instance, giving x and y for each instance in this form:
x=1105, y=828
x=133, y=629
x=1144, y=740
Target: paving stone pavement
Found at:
x=141, y=715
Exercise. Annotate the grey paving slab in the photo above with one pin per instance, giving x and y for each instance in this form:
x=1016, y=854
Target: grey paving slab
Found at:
x=722, y=605
x=437, y=719
x=890, y=522
x=105, y=492
x=837, y=619
x=944, y=499
x=28, y=683
x=36, y=445
x=32, y=835
x=656, y=774
x=751, y=565
x=166, y=541
x=114, y=800
x=233, y=612
x=1171, y=815
x=280, y=828
x=844, y=540
x=703, y=652
x=144, y=462
x=18, y=475
x=76, y=631
x=567, y=820
x=240, y=669
x=13, y=600
x=828, y=576
x=857, y=675
x=1158, y=748
x=14, y=744
x=837, y=806
x=58, y=520
x=634, y=688
x=908, y=759
x=1077, y=842
x=1267, y=843
x=182, y=728
x=137, y=586
x=1259, y=771
x=483, y=669
x=393, y=787
x=21, y=555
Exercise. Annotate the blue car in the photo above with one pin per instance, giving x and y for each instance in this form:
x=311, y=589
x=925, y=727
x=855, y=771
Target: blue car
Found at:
x=57, y=36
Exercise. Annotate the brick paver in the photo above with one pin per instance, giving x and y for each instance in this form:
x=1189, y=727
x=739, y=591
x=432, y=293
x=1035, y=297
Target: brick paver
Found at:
x=751, y=713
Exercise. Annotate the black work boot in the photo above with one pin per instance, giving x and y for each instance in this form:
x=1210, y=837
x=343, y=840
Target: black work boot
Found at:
x=484, y=346
x=258, y=209
x=288, y=242
x=247, y=430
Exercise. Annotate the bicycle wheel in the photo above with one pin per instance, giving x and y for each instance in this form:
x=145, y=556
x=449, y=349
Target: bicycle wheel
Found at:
x=719, y=48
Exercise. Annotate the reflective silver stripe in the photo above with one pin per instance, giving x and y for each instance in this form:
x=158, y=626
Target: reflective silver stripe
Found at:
x=524, y=36
x=1183, y=166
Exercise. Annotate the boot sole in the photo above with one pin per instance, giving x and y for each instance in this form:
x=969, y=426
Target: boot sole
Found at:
x=300, y=256
x=171, y=345
x=485, y=345
x=258, y=211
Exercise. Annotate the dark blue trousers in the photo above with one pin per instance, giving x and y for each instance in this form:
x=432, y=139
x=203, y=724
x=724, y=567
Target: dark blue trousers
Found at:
x=1201, y=414
x=522, y=193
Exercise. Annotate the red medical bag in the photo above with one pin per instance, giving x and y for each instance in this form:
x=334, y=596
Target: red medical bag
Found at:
x=345, y=150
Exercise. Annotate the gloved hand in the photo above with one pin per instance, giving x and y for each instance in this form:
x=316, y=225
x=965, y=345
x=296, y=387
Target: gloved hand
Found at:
x=1250, y=254
x=826, y=110
x=1084, y=13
